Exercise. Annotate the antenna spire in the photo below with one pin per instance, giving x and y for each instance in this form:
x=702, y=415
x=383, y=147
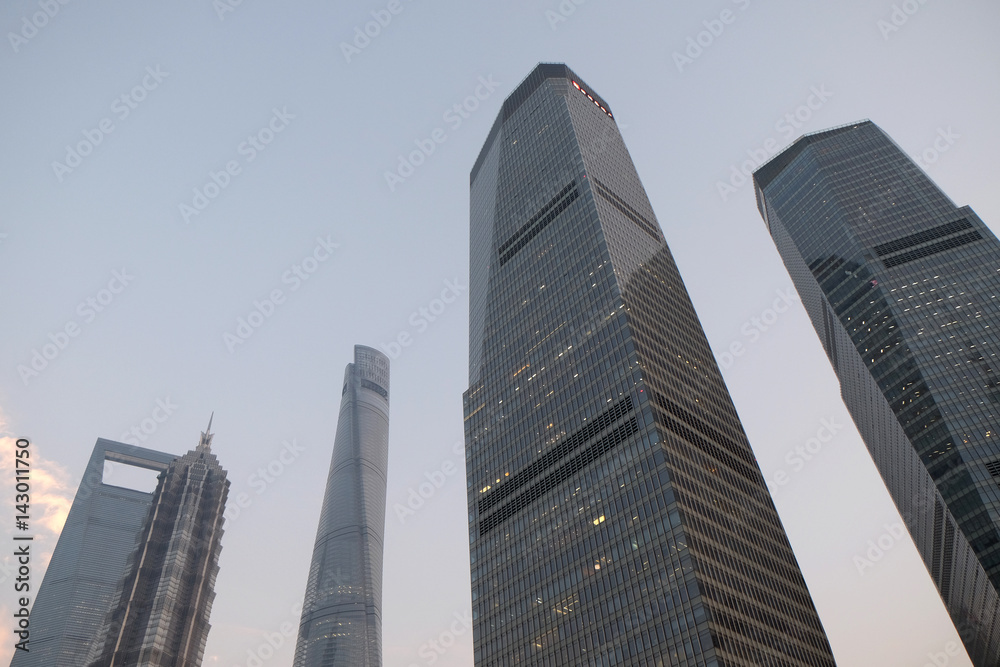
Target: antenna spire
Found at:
x=206, y=437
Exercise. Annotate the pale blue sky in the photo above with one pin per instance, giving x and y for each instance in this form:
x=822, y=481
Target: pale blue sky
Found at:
x=223, y=77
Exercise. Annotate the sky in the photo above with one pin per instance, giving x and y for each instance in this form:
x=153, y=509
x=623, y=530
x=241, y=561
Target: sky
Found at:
x=205, y=204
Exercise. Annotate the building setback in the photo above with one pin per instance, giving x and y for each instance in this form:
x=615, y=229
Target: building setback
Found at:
x=341, y=622
x=617, y=512
x=903, y=288
x=160, y=614
x=89, y=560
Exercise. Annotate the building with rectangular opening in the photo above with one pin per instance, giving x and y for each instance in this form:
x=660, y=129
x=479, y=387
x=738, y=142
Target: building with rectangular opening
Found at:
x=89, y=559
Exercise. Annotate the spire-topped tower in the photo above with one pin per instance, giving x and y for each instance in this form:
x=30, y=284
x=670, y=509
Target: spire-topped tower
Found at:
x=159, y=616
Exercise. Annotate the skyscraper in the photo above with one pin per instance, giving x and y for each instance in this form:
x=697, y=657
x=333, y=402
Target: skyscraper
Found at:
x=617, y=513
x=89, y=559
x=341, y=622
x=903, y=288
x=159, y=616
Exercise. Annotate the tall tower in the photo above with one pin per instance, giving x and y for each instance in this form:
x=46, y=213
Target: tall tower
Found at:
x=159, y=617
x=617, y=513
x=89, y=559
x=341, y=622
x=903, y=288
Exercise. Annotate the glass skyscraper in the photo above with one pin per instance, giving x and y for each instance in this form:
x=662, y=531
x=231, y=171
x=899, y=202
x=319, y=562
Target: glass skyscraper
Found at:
x=89, y=560
x=341, y=622
x=160, y=613
x=617, y=514
x=903, y=288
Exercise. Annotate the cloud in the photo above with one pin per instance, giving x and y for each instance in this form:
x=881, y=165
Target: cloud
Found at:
x=51, y=495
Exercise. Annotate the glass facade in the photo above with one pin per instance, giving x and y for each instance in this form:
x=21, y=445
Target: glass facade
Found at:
x=903, y=287
x=160, y=613
x=617, y=515
x=89, y=560
x=341, y=622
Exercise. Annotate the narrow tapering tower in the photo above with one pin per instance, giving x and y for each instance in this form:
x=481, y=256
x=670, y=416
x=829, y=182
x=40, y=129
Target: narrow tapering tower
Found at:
x=342, y=612
x=617, y=513
x=160, y=615
x=903, y=288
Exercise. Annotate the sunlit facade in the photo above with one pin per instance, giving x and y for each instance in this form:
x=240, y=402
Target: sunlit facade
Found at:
x=160, y=614
x=903, y=288
x=89, y=560
x=341, y=622
x=617, y=512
